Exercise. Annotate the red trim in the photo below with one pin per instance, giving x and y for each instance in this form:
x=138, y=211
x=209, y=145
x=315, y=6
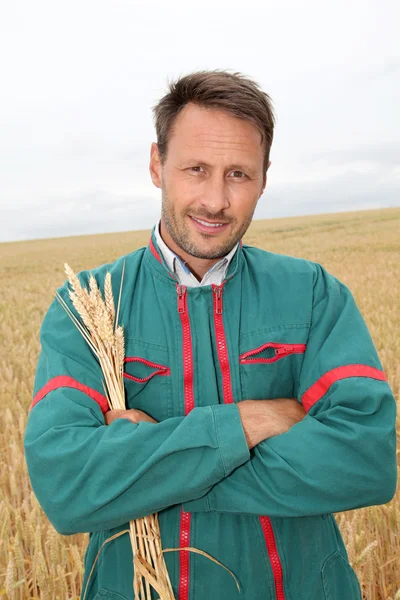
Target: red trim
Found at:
x=188, y=384
x=66, y=381
x=281, y=350
x=187, y=351
x=221, y=344
x=320, y=387
x=273, y=556
x=161, y=369
x=154, y=251
x=157, y=256
x=184, y=542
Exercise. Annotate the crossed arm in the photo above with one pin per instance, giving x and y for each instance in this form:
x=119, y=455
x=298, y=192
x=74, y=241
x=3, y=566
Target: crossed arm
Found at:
x=261, y=419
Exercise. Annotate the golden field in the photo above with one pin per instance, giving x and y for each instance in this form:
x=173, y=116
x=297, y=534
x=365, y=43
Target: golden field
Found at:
x=361, y=248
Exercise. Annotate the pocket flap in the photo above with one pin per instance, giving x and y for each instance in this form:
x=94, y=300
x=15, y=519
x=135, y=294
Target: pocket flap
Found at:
x=141, y=369
x=271, y=352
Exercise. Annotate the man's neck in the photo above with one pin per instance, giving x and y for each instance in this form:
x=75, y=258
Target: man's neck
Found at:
x=197, y=266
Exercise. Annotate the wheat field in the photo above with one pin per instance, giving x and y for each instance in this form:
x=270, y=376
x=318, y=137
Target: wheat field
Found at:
x=361, y=248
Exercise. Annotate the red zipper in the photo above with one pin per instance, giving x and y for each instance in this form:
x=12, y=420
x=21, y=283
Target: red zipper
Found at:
x=184, y=542
x=221, y=344
x=223, y=357
x=186, y=349
x=187, y=354
x=281, y=350
x=273, y=556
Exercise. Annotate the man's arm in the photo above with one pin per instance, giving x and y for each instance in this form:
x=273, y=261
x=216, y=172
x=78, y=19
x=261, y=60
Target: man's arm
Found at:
x=342, y=455
x=90, y=476
x=261, y=419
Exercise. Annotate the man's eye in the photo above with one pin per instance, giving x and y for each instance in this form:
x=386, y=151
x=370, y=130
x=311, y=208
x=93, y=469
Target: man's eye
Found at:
x=196, y=169
x=241, y=174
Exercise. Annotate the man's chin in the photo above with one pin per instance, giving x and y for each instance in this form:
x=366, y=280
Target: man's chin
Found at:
x=201, y=245
x=210, y=253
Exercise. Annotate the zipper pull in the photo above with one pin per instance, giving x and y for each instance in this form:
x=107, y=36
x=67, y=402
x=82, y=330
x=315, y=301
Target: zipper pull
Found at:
x=181, y=291
x=218, y=299
x=284, y=350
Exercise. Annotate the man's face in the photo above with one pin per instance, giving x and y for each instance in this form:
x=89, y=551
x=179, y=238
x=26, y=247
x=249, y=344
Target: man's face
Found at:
x=214, y=172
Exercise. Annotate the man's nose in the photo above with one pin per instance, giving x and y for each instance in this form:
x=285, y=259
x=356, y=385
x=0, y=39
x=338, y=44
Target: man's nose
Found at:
x=215, y=196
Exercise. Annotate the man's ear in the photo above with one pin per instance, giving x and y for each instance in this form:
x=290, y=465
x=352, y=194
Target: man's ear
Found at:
x=155, y=166
x=265, y=178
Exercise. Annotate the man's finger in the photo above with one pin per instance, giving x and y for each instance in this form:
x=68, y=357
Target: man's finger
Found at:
x=139, y=415
x=132, y=414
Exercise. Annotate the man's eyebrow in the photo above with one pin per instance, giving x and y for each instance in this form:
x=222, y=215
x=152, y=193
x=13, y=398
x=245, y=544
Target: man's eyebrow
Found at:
x=236, y=166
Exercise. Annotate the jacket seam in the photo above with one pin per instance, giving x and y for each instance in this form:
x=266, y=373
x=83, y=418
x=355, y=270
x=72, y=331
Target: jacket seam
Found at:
x=300, y=325
x=218, y=440
x=328, y=289
x=146, y=344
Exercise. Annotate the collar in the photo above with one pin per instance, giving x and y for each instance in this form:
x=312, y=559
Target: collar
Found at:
x=174, y=263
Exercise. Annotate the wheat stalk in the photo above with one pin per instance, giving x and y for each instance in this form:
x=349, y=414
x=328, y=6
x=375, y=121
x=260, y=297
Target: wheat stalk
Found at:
x=99, y=327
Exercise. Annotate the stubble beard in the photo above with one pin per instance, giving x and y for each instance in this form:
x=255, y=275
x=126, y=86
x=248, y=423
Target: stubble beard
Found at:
x=183, y=237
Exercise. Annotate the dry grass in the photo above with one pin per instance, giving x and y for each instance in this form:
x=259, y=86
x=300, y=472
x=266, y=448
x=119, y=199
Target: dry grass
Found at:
x=362, y=249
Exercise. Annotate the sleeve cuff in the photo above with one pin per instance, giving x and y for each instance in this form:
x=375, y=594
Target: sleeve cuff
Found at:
x=232, y=444
x=231, y=437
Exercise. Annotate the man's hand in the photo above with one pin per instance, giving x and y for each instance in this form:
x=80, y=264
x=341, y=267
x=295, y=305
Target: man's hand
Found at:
x=262, y=419
x=133, y=414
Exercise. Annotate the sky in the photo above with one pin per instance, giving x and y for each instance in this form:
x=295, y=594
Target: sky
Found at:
x=79, y=79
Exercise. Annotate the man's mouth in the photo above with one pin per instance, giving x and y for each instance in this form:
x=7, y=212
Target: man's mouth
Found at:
x=209, y=226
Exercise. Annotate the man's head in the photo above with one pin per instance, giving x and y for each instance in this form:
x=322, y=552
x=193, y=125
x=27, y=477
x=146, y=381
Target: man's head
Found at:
x=214, y=134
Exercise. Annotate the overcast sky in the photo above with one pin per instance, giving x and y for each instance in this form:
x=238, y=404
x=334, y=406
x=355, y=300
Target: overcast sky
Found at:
x=78, y=79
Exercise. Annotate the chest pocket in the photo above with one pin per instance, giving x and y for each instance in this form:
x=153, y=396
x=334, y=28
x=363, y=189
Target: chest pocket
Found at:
x=147, y=378
x=270, y=361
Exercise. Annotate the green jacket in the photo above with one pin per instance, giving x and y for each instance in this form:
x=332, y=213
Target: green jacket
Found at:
x=278, y=326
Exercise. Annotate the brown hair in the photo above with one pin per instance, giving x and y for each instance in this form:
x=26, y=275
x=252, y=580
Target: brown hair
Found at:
x=233, y=93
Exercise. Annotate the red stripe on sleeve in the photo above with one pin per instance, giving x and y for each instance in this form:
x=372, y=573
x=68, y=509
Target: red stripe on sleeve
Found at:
x=320, y=387
x=66, y=381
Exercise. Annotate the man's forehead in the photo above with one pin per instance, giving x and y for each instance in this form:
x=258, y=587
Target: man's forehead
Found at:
x=235, y=139
x=213, y=126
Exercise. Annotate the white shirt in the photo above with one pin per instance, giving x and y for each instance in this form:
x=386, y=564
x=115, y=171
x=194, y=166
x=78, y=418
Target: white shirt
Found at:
x=185, y=277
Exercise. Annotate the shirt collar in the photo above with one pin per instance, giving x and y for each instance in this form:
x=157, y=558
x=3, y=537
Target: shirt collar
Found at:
x=171, y=258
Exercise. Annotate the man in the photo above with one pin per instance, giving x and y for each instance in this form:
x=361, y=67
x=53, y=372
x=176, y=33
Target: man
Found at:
x=257, y=405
